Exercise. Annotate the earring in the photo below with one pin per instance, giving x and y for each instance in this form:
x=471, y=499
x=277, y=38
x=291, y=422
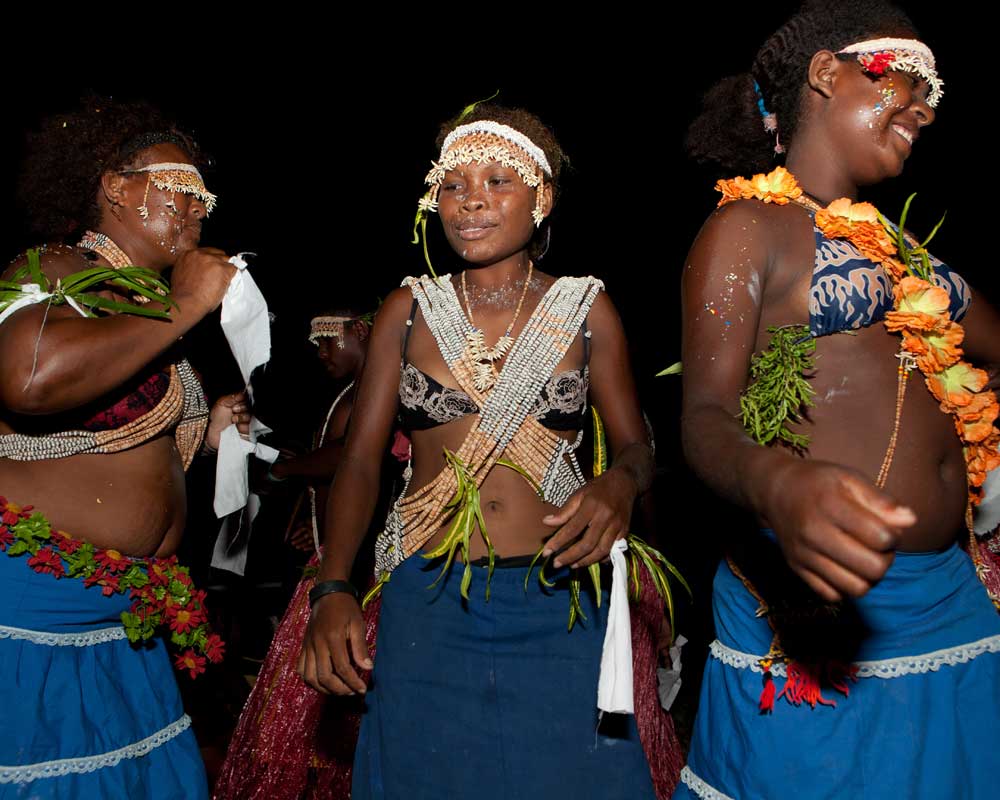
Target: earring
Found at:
x=143, y=211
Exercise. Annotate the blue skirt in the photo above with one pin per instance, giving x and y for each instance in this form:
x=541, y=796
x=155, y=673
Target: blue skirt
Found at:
x=919, y=722
x=83, y=713
x=490, y=699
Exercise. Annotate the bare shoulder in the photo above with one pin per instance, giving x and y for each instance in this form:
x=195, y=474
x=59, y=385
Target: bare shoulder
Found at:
x=750, y=221
x=395, y=309
x=603, y=314
x=57, y=261
x=746, y=238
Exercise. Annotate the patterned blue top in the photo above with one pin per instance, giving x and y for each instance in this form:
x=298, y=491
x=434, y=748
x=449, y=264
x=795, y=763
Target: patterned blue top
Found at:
x=849, y=292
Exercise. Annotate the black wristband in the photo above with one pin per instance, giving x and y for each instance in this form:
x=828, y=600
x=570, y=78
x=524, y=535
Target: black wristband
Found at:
x=329, y=587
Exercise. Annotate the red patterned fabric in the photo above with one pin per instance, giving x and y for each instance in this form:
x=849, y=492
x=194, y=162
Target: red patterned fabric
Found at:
x=656, y=726
x=989, y=551
x=141, y=400
x=293, y=743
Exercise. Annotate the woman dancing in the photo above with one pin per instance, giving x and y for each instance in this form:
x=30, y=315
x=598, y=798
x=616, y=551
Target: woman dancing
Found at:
x=99, y=418
x=291, y=742
x=477, y=686
x=855, y=598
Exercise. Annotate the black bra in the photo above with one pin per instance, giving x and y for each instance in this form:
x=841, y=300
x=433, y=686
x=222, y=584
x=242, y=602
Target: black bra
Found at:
x=425, y=403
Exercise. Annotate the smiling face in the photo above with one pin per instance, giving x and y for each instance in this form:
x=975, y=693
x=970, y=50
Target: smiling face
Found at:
x=875, y=120
x=486, y=210
x=172, y=222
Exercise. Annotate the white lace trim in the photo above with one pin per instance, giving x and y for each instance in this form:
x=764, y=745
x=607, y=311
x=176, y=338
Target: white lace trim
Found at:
x=67, y=766
x=700, y=788
x=85, y=639
x=884, y=668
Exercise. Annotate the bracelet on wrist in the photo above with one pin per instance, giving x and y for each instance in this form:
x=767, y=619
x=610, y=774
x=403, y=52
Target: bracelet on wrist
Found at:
x=330, y=587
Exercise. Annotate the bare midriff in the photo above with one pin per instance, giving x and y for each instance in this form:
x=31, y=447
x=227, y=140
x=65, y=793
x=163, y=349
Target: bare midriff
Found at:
x=851, y=424
x=512, y=510
x=132, y=501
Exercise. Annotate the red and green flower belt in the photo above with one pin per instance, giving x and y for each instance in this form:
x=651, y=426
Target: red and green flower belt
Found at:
x=160, y=589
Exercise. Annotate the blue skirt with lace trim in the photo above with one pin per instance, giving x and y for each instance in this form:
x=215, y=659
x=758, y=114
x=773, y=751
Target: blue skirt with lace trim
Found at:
x=919, y=722
x=83, y=713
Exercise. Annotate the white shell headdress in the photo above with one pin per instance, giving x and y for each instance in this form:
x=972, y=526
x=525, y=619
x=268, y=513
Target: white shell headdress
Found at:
x=907, y=55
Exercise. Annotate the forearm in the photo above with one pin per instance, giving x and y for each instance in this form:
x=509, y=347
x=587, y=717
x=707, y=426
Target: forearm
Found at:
x=349, y=511
x=636, y=462
x=722, y=455
x=81, y=359
x=320, y=465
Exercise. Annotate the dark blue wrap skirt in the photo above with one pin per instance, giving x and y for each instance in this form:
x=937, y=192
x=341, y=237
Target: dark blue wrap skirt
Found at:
x=490, y=699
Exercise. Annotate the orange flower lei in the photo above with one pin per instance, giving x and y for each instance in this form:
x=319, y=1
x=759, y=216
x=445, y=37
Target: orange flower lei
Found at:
x=921, y=315
x=930, y=341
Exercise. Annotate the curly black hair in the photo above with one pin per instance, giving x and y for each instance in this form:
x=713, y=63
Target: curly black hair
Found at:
x=69, y=153
x=539, y=133
x=730, y=131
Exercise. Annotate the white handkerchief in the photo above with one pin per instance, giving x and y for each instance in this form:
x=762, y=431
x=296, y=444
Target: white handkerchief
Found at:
x=231, y=548
x=231, y=471
x=614, y=688
x=245, y=320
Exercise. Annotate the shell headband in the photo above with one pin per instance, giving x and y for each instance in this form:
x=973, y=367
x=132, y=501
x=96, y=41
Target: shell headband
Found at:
x=171, y=177
x=325, y=327
x=906, y=55
x=485, y=141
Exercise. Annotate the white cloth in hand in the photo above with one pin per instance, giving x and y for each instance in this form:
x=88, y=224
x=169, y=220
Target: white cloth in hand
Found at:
x=232, y=485
x=245, y=320
x=614, y=688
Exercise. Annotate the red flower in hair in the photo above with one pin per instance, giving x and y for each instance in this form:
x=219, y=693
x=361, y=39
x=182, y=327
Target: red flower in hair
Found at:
x=6, y=537
x=47, y=562
x=878, y=63
x=191, y=661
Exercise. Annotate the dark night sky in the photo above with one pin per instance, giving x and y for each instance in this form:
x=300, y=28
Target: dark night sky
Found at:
x=322, y=137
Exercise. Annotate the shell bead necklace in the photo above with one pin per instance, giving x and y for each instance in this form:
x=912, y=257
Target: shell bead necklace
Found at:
x=480, y=356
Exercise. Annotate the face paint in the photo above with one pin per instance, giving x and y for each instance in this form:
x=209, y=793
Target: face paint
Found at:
x=887, y=100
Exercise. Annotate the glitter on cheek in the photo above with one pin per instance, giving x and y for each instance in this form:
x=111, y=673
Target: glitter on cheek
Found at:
x=887, y=101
